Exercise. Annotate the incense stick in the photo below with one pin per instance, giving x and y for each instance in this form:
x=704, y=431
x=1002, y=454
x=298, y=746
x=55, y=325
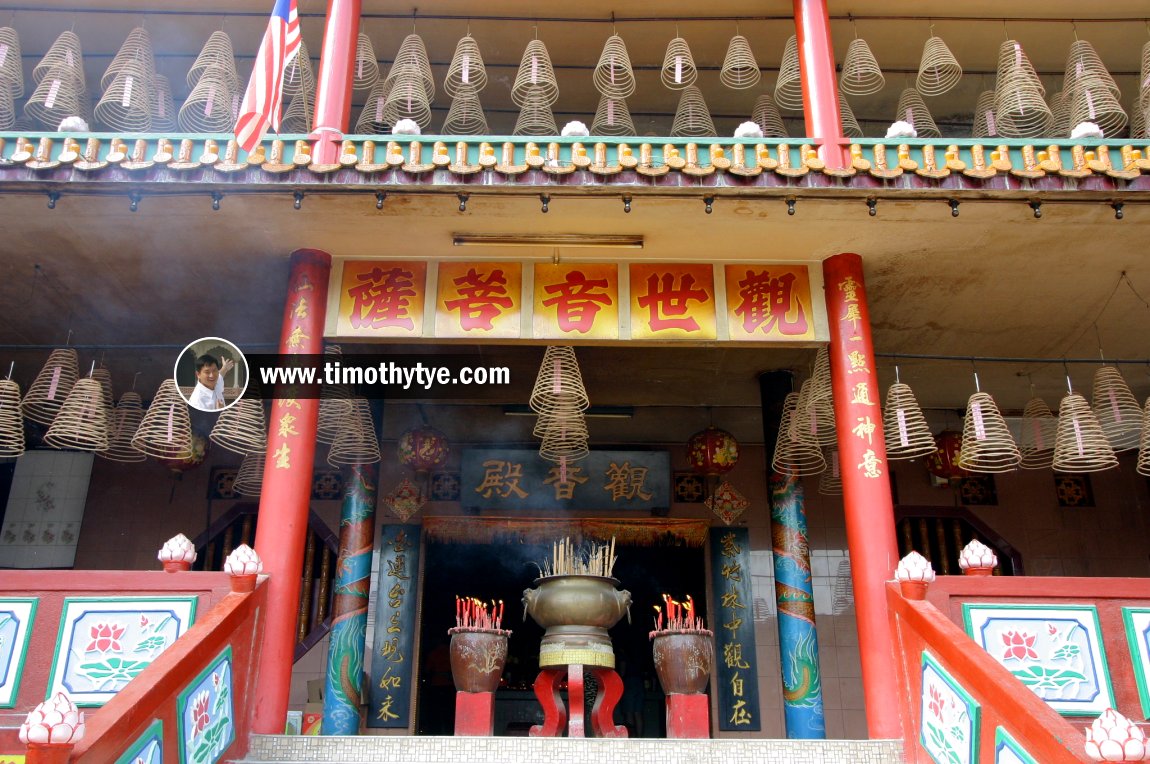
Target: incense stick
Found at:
x=591, y=559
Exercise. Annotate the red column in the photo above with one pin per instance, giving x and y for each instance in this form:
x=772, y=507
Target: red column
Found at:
x=820, y=92
x=333, y=88
x=282, y=527
x=866, y=485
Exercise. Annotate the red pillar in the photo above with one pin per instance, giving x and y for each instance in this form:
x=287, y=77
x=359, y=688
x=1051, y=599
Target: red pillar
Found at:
x=282, y=527
x=333, y=88
x=866, y=485
x=820, y=91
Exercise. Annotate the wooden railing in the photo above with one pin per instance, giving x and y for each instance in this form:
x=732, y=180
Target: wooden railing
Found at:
x=238, y=526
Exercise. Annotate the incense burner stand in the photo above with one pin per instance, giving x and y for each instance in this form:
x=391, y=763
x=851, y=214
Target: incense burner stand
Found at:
x=556, y=716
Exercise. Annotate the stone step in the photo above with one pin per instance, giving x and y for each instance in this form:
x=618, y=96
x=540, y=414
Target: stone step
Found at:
x=284, y=749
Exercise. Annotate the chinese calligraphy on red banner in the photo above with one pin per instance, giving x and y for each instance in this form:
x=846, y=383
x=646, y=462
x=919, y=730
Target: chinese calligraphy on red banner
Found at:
x=478, y=300
x=576, y=301
x=673, y=302
x=382, y=299
x=769, y=302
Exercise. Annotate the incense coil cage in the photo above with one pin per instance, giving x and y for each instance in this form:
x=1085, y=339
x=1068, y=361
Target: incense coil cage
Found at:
x=614, y=77
x=366, y=67
x=11, y=423
x=740, y=69
x=126, y=418
x=65, y=54
x=905, y=429
x=1039, y=434
x=831, y=479
x=127, y=103
x=467, y=73
x=679, y=68
x=1117, y=409
x=373, y=117
x=861, y=73
x=465, y=117
x=789, y=85
x=57, y=96
x=1144, y=443
x=911, y=108
x=11, y=65
x=792, y=455
x=208, y=108
x=535, y=83
x=165, y=432
x=241, y=428
x=851, y=127
x=938, y=71
x=612, y=117
x=411, y=62
x=356, y=442
x=250, y=477
x=1080, y=445
x=535, y=117
x=987, y=445
x=51, y=386
x=217, y=52
x=163, y=105
x=136, y=51
x=692, y=119
x=82, y=422
x=766, y=116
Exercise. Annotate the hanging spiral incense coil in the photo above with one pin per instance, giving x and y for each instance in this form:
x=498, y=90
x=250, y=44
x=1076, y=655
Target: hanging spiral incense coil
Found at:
x=831, y=479
x=904, y=426
x=789, y=86
x=939, y=71
x=692, y=119
x=408, y=100
x=165, y=432
x=766, y=116
x=357, y=442
x=985, y=118
x=1117, y=409
x=373, y=117
x=535, y=117
x=1020, y=104
x=1060, y=114
x=535, y=83
x=217, y=52
x=250, y=477
x=366, y=68
x=614, y=77
x=1139, y=121
x=411, y=62
x=1083, y=64
x=563, y=439
x=813, y=419
x=1039, y=434
x=127, y=102
x=612, y=117
x=57, y=96
x=163, y=105
x=987, y=445
x=11, y=423
x=679, y=68
x=861, y=73
x=7, y=109
x=104, y=378
x=242, y=428
x=297, y=117
x=298, y=75
x=11, y=66
x=911, y=108
x=82, y=422
x=64, y=55
x=136, y=50
x=558, y=391
x=126, y=418
x=51, y=386
x=207, y=108
x=740, y=69
x=1092, y=101
x=793, y=455
x=465, y=117
x=1081, y=446
x=1144, y=443
x=467, y=73
x=851, y=128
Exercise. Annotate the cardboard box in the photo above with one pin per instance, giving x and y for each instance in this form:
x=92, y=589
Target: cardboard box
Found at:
x=312, y=722
x=294, y=725
x=313, y=709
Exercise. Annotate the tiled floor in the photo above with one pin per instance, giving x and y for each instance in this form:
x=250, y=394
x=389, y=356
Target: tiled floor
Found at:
x=475, y=750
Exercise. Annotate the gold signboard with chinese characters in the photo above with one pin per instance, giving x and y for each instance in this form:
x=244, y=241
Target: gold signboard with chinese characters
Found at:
x=576, y=302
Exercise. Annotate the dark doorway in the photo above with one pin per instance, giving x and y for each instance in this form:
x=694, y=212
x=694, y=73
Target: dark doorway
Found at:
x=494, y=572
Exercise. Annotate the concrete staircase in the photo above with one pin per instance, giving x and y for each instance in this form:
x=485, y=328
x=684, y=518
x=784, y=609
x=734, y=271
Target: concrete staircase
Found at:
x=281, y=749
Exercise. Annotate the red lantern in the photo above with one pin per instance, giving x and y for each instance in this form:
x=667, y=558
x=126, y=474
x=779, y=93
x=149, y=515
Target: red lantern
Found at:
x=712, y=452
x=422, y=449
x=945, y=462
x=199, y=451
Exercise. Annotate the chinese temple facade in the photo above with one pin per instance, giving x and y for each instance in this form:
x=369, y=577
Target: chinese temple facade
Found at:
x=685, y=288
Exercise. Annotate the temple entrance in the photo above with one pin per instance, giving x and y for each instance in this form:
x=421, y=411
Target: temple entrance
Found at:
x=502, y=571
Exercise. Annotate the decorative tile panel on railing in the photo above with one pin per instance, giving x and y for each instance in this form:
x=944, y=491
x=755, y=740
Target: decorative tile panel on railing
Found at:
x=949, y=716
x=1008, y=751
x=148, y=749
x=205, y=713
x=1137, y=623
x=16, y=615
x=1054, y=650
x=105, y=642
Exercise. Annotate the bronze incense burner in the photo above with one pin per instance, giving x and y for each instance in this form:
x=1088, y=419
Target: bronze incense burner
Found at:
x=576, y=612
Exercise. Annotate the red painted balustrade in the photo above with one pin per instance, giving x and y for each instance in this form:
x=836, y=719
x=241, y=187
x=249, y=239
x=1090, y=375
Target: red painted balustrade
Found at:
x=226, y=625
x=934, y=626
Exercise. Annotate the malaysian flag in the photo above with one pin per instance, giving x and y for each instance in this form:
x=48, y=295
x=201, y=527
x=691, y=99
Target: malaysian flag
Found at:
x=261, y=105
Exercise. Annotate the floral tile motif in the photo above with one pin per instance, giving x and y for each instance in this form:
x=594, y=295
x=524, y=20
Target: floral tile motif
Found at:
x=1137, y=621
x=1008, y=751
x=949, y=717
x=1056, y=651
x=148, y=748
x=105, y=642
x=16, y=614
x=205, y=713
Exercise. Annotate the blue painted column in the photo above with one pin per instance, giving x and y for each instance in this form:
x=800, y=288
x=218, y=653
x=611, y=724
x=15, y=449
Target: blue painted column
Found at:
x=346, y=642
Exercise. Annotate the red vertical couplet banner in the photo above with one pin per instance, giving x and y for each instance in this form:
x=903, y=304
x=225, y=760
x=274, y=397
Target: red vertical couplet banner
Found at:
x=282, y=528
x=866, y=484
